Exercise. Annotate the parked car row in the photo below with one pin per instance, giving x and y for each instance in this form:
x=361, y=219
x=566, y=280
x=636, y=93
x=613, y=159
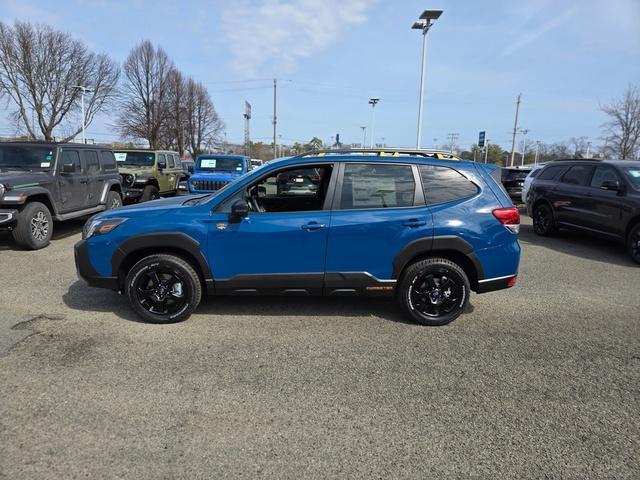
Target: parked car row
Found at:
x=43, y=182
x=595, y=197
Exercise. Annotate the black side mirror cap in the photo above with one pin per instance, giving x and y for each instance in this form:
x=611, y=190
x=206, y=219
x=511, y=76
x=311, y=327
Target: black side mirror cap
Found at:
x=69, y=168
x=239, y=210
x=162, y=165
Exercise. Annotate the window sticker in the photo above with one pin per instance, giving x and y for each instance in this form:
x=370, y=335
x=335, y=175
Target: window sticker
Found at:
x=45, y=164
x=120, y=156
x=369, y=191
x=208, y=163
x=150, y=157
x=634, y=173
x=49, y=157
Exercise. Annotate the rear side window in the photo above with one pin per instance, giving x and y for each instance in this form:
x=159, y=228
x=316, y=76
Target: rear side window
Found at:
x=444, y=184
x=171, y=161
x=577, y=175
x=108, y=161
x=551, y=173
x=377, y=186
x=91, y=162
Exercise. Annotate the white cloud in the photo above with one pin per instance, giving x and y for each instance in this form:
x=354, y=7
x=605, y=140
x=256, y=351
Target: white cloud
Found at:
x=272, y=35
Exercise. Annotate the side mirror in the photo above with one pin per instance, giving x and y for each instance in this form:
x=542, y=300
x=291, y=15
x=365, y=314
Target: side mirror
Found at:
x=239, y=210
x=613, y=185
x=69, y=168
x=162, y=165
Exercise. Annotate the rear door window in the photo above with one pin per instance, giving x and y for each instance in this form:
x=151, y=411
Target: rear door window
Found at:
x=91, y=163
x=444, y=184
x=578, y=175
x=377, y=186
x=171, y=162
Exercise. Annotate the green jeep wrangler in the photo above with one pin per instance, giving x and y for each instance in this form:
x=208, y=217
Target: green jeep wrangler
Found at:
x=147, y=174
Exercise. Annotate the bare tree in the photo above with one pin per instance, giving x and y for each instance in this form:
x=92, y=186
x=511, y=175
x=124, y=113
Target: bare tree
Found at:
x=622, y=130
x=203, y=124
x=145, y=96
x=40, y=66
x=175, y=131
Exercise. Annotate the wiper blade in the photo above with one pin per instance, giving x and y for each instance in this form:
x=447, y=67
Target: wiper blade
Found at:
x=194, y=200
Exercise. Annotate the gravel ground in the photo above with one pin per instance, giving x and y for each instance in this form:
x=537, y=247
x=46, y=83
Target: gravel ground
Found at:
x=539, y=381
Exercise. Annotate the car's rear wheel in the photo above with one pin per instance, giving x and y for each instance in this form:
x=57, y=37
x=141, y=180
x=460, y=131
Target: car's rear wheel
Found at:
x=114, y=200
x=633, y=243
x=434, y=291
x=35, y=227
x=543, y=222
x=163, y=288
x=150, y=192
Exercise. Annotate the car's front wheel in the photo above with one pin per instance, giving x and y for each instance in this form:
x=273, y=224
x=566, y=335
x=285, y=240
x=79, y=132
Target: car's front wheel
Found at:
x=35, y=226
x=150, y=192
x=434, y=291
x=543, y=222
x=633, y=243
x=163, y=288
x=114, y=200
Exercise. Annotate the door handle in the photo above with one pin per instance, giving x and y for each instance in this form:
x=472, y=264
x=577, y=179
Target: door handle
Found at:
x=414, y=223
x=312, y=226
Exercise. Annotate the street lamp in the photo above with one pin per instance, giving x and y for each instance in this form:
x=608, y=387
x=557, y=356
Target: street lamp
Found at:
x=424, y=24
x=524, y=143
x=364, y=135
x=373, y=102
x=83, y=90
x=486, y=150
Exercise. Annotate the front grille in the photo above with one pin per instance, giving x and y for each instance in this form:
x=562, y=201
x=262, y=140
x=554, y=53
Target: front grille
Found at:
x=208, y=185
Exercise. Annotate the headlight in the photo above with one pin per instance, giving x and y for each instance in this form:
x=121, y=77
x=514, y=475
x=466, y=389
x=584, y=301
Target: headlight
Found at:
x=127, y=179
x=100, y=226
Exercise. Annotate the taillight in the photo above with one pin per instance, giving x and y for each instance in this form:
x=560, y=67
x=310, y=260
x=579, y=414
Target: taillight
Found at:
x=509, y=217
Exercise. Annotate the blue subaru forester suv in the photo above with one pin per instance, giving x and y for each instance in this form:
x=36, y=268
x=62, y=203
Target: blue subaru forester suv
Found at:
x=212, y=172
x=401, y=223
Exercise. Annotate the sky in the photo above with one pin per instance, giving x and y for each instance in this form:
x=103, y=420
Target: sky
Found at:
x=566, y=57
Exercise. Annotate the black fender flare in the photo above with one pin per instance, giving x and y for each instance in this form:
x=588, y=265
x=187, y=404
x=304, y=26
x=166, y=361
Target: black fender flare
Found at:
x=425, y=246
x=160, y=240
x=36, y=191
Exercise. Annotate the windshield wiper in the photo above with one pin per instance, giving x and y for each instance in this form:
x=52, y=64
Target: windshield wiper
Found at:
x=194, y=201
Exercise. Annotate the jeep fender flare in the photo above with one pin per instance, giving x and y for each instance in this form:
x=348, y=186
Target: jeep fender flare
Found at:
x=176, y=241
x=427, y=246
x=34, y=192
x=108, y=186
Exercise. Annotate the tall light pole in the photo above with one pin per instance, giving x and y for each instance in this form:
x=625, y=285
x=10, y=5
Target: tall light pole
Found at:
x=515, y=131
x=372, y=102
x=486, y=150
x=83, y=90
x=424, y=24
x=535, y=160
x=524, y=143
x=364, y=135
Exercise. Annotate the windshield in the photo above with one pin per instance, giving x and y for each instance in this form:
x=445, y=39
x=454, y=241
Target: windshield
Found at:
x=142, y=159
x=633, y=173
x=26, y=157
x=508, y=174
x=220, y=165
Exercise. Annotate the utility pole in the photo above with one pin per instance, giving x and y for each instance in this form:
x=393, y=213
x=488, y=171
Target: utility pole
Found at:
x=364, y=135
x=83, y=90
x=524, y=143
x=275, y=119
x=535, y=160
x=588, y=149
x=373, y=102
x=247, y=137
x=452, y=140
x=425, y=23
x=515, y=131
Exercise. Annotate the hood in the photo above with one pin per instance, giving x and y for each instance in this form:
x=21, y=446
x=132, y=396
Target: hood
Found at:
x=223, y=176
x=152, y=208
x=132, y=169
x=22, y=179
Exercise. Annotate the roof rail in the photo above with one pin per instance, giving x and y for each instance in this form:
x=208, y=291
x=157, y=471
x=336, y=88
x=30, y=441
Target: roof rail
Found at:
x=381, y=152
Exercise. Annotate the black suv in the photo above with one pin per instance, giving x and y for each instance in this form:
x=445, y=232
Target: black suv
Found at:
x=599, y=197
x=43, y=181
x=512, y=179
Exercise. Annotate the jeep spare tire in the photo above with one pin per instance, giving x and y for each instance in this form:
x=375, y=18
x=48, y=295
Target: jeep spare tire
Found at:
x=35, y=226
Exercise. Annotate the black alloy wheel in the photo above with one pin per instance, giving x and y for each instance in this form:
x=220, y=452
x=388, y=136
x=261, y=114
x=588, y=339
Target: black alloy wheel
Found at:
x=633, y=243
x=543, y=221
x=163, y=288
x=434, y=291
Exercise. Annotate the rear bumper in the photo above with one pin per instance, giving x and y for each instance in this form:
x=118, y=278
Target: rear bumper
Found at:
x=8, y=218
x=87, y=272
x=493, y=284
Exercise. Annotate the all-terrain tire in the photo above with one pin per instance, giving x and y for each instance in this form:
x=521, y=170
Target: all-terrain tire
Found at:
x=35, y=226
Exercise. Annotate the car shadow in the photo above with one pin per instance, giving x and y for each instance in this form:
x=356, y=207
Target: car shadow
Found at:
x=84, y=298
x=61, y=230
x=579, y=245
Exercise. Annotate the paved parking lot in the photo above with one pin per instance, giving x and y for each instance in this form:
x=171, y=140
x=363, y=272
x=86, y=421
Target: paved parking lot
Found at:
x=540, y=381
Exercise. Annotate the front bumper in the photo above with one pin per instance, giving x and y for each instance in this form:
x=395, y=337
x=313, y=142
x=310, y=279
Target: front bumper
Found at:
x=87, y=272
x=8, y=218
x=131, y=194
